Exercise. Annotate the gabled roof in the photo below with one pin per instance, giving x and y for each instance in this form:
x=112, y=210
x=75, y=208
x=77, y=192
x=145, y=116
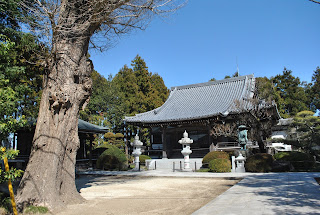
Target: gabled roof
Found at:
x=199, y=101
x=86, y=127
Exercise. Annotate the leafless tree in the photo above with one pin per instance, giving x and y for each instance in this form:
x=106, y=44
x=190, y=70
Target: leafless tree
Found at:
x=260, y=116
x=68, y=27
x=318, y=2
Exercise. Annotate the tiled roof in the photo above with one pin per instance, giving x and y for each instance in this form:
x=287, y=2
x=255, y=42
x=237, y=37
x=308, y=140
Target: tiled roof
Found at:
x=199, y=101
x=86, y=127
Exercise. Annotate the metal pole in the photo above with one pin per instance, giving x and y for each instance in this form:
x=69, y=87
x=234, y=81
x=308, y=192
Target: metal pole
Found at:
x=173, y=166
x=195, y=166
x=14, y=208
x=180, y=165
x=155, y=165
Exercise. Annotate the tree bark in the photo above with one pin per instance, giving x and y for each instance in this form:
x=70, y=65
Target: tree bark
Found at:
x=49, y=178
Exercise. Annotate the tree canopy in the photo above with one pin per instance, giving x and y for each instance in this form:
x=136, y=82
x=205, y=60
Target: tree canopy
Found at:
x=315, y=89
x=306, y=132
x=106, y=106
x=20, y=71
x=142, y=91
x=291, y=97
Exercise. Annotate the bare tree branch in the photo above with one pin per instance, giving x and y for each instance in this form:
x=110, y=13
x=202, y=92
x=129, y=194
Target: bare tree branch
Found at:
x=317, y=2
x=93, y=18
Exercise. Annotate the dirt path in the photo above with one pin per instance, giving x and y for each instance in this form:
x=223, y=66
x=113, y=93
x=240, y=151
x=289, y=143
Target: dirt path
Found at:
x=145, y=195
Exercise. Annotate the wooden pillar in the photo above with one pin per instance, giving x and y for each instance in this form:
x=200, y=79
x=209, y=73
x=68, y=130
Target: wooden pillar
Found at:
x=126, y=142
x=81, y=153
x=209, y=135
x=164, y=142
x=90, y=150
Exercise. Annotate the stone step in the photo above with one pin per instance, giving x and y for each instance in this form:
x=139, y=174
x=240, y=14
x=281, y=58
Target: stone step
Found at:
x=172, y=163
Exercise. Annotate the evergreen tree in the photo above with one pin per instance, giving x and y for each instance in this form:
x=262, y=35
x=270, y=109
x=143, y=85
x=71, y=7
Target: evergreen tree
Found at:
x=142, y=90
x=9, y=95
x=106, y=106
x=290, y=94
x=20, y=80
x=315, y=89
x=265, y=89
x=306, y=133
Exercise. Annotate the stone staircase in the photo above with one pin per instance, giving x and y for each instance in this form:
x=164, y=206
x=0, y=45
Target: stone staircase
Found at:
x=172, y=164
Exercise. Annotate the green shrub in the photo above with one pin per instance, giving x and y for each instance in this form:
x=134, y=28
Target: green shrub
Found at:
x=214, y=155
x=260, y=162
x=5, y=202
x=112, y=159
x=143, y=158
x=299, y=160
x=220, y=165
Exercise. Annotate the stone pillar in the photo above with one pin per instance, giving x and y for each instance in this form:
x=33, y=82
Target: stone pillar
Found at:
x=233, y=163
x=186, y=151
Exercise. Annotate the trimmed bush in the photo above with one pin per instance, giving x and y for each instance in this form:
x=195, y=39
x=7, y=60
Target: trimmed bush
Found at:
x=112, y=159
x=299, y=160
x=215, y=155
x=260, y=162
x=143, y=158
x=281, y=166
x=220, y=165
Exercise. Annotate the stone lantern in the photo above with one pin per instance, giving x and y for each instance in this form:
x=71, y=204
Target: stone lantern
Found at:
x=185, y=142
x=240, y=163
x=137, y=145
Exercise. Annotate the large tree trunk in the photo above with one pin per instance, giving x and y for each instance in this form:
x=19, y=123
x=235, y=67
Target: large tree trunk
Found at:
x=49, y=178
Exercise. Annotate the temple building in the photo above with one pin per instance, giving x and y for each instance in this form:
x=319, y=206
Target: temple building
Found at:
x=211, y=113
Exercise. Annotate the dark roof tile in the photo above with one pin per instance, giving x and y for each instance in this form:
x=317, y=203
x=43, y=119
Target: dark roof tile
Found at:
x=198, y=101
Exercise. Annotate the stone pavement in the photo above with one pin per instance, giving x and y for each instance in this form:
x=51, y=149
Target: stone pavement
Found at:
x=271, y=193
x=256, y=194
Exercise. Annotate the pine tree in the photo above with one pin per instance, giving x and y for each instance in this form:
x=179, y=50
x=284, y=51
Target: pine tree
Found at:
x=290, y=94
x=315, y=89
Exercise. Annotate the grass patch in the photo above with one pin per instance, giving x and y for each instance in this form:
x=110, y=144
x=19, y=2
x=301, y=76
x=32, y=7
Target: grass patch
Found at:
x=203, y=170
x=36, y=210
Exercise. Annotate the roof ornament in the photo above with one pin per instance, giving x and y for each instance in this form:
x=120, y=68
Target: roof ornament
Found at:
x=238, y=73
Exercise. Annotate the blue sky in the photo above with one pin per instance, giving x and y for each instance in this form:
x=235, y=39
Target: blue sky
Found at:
x=206, y=38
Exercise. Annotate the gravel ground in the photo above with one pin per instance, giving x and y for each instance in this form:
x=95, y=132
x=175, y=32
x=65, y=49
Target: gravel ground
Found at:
x=145, y=195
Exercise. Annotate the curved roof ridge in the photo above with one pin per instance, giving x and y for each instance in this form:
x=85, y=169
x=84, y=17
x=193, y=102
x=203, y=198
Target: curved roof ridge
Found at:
x=157, y=110
x=209, y=83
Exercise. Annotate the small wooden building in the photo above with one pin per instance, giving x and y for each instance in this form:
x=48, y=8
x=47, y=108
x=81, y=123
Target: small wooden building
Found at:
x=210, y=112
x=86, y=131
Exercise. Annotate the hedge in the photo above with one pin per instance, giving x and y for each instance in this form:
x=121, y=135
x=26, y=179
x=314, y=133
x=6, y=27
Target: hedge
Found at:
x=299, y=160
x=220, y=165
x=260, y=162
x=112, y=159
x=215, y=155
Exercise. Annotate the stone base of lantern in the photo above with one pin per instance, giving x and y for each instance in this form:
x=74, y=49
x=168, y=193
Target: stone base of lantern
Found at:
x=136, y=168
x=187, y=170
